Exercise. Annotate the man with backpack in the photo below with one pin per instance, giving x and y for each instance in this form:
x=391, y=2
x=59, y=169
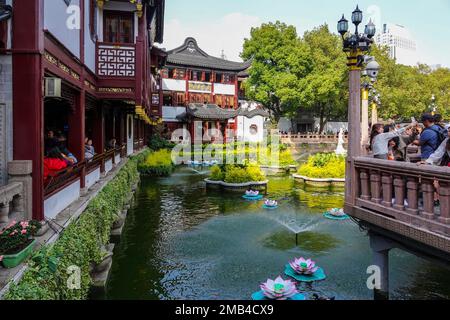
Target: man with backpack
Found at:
x=432, y=137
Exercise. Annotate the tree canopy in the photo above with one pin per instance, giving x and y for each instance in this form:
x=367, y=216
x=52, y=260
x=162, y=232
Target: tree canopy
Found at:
x=290, y=73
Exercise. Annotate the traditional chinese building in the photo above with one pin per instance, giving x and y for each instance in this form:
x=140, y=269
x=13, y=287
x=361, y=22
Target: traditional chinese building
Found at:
x=82, y=69
x=202, y=89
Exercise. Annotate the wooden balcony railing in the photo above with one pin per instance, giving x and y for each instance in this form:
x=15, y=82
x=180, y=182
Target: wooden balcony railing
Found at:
x=116, y=60
x=61, y=179
x=405, y=192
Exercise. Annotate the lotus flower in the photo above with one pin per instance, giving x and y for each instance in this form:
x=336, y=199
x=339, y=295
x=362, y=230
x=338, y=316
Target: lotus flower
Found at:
x=337, y=212
x=251, y=193
x=303, y=266
x=279, y=289
x=271, y=203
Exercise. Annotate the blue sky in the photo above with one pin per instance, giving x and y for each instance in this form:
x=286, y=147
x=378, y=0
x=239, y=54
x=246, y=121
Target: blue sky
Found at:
x=222, y=25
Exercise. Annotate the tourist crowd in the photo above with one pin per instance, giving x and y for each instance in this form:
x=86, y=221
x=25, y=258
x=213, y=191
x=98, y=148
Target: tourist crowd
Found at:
x=432, y=138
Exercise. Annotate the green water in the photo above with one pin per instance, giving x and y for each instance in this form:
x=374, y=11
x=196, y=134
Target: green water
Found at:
x=182, y=241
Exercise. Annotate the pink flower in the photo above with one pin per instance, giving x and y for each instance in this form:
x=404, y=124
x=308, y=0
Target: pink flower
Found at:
x=1, y=258
x=24, y=224
x=12, y=224
x=24, y=231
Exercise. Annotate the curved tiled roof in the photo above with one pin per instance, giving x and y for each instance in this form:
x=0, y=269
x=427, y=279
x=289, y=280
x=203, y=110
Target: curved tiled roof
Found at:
x=214, y=112
x=189, y=54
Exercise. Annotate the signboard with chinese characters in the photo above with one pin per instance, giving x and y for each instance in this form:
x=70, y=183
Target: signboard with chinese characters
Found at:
x=203, y=87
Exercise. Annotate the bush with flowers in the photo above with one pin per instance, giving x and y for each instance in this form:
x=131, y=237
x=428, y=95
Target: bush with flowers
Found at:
x=17, y=236
x=79, y=245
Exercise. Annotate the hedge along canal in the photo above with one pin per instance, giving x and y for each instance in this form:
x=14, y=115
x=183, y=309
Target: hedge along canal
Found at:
x=79, y=246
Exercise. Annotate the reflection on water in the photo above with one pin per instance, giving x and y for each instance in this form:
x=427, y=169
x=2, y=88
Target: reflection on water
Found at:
x=182, y=241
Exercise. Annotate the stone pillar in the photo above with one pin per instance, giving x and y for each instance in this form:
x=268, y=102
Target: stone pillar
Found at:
x=444, y=198
x=380, y=254
x=354, y=136
x=365, y=120
x=21, y=171
x=374, y=113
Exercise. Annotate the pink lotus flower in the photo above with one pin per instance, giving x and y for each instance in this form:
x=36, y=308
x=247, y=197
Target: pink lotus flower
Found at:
x=279, y=289
x=271, y=203
x=303, y=266
x=24, y=231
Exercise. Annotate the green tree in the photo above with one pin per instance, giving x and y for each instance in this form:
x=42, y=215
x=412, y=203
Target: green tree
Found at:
x=281, y=60
x=324, y=90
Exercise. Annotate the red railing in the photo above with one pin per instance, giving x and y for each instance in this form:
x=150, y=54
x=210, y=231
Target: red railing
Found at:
x=116, y=60
x=61, y=179
x=405, y=192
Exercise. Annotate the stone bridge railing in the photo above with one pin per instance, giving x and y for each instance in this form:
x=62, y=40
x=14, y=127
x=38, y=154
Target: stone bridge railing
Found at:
x=11, y=200
x=311, y=138
x=405, y=192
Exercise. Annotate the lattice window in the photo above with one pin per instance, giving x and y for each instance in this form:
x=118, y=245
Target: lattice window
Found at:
x=116, y=61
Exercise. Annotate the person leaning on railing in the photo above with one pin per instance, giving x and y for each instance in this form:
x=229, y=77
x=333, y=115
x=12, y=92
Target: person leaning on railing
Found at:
x=53, y=162
x=379, y=139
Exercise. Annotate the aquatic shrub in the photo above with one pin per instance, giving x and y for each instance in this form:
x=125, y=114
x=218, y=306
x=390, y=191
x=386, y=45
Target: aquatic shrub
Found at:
x=237, y=173
x=217, y=173
x=79, y=246
x=158, y=163
x=323, y=166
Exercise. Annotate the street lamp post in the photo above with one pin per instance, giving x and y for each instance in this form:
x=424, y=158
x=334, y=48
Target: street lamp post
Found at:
x=355, y=46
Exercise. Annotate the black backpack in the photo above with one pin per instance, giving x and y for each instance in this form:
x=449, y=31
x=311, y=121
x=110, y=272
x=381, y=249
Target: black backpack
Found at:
x=442, y=134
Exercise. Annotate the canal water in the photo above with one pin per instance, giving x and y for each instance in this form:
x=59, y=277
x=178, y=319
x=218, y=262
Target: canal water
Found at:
x=182, y=241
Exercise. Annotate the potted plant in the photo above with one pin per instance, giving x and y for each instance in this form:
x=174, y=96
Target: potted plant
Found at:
x=16, y=242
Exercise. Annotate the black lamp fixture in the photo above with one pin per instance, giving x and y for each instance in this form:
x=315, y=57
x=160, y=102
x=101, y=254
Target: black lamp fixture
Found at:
x=356, y=41
x=343, y=26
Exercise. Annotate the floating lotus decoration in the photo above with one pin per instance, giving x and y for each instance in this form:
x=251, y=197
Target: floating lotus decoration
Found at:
x=271, y=203
x=278, y=289
x=304, y=266
x=336, y=214
x=251, y=193
x=304, y=270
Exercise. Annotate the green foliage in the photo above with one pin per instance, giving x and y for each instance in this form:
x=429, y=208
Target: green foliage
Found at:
x=79, y=245
x=16, y=236
x=237, y=173
x=217, y=174
x=280, y=61
x=158, y=163
x=406, y=91
x=157, y=142
x=324, y=165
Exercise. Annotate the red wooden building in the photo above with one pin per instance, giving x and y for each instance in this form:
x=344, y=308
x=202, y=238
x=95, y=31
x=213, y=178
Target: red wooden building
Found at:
x=200, y=88
x=83, y=69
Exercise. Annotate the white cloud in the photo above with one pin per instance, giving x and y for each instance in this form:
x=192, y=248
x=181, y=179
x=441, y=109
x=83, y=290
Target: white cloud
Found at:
x=227, y=34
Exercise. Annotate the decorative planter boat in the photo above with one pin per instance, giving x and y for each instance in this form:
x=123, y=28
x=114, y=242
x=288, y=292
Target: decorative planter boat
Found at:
x=13, y=260
x=270, y=204
x=261, y=185
x=320, y=183
x=304, y=270
x=278, y=289
x=336, y=214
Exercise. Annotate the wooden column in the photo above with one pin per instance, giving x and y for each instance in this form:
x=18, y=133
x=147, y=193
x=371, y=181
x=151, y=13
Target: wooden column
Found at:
x=77, y=131
x=28, y=116
x=98, y=131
